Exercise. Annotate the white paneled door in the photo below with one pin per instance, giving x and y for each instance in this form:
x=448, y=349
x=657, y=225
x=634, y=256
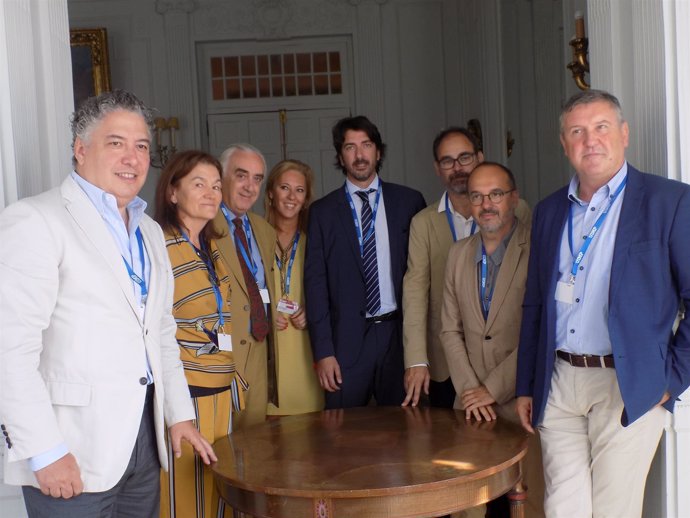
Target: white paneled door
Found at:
x=301, y=134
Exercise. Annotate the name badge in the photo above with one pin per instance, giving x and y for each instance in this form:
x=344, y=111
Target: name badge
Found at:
x=565, y=292
x=265, y=297
x=224, y=342
x=289, y=307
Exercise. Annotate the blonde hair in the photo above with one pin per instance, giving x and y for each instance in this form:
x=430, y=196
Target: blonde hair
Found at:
x=273, y=177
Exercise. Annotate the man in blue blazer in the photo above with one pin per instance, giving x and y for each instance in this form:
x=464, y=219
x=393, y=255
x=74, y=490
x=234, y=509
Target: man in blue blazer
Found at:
x=356, y=256
x=599, y=364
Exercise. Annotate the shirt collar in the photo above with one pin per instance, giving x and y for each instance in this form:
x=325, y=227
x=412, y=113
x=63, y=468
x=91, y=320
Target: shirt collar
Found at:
x=500, y=252
x=610, y=186
x=106, y=204
x=442, y=208
x=352, y=188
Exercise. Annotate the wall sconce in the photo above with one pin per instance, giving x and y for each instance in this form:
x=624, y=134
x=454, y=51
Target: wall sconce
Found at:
x=165, y=140
x=580, y=64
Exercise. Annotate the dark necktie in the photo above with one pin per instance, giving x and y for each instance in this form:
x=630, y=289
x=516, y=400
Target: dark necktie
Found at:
x=257, y=312
x=371, y=271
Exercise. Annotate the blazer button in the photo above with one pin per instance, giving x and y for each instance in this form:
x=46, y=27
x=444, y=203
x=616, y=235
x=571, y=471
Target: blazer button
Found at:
x=487, y=337
x=243, y=342
x=362, y=313
x=246, y=308
x=143, y=381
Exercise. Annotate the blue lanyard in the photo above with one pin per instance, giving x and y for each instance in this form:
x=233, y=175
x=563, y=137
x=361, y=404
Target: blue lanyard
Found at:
x=213, y=277
x=370, y=230
x=132, y=274
x=288, y=273
x=590, y=236
x=246, y=255
x=486, y=303
x=449, y=217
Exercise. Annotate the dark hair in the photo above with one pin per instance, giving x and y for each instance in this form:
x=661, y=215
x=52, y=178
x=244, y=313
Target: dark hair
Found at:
x=94, y=109
x=508, y=172
x=588, y=97
x=179, y=166
x=274, y=176
x=455, y=130
x=358, y=123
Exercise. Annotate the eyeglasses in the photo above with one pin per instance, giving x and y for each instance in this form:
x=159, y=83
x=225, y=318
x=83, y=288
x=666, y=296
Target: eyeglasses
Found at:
x=477, y=198
x=448, y=163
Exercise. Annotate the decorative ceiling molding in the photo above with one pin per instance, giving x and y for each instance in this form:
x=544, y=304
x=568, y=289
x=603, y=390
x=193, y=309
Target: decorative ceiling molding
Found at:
x=271, y=18
x=168, y=6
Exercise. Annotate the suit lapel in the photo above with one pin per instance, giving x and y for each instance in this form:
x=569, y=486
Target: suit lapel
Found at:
x=627, y=226
x=394, y=233
x=471, y=288
x=226, y=247
x=156, y=278
x=344, y=215
x=90, y=222
x=509, y=265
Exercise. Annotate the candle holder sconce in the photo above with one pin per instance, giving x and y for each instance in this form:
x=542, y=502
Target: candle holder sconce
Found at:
x=580, y=44
x=165, y=141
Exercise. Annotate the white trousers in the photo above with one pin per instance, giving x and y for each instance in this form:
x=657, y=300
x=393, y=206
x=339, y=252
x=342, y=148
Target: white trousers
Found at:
x=593, y=466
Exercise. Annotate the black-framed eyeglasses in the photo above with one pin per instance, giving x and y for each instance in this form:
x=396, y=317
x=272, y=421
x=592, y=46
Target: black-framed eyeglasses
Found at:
x=448, y=163
x=477, y=198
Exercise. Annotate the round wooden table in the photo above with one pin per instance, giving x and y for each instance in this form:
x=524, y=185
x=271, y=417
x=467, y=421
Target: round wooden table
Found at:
x=370, y=462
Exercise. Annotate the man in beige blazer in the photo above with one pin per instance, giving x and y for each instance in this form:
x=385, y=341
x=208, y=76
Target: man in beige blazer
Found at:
x=482, y=306
x=432, y=232
x=251, y=267
x=90, y=369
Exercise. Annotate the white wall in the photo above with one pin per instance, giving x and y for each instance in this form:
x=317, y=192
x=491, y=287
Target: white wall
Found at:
x=419, y=66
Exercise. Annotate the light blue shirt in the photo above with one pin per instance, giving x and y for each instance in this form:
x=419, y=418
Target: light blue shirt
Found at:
x=582, y=327
x=383, y=251
x=128, y=246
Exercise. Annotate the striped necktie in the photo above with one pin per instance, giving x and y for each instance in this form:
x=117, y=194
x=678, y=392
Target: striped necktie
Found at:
x=371, y=272
x=258, y=320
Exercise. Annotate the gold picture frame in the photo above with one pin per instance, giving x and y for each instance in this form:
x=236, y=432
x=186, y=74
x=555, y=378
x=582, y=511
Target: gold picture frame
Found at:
x=90, y=68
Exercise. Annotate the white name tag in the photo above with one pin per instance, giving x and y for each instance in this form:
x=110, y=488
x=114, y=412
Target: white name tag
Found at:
x=224, y=342
x=265, y=297
x=289, y=307
x=565, y=292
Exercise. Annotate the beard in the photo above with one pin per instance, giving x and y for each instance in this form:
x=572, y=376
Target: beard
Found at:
x=491, y=226
x=361, y=175
x=457, y=182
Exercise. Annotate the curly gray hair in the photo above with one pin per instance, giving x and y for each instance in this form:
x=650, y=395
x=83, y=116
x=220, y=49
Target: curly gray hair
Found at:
x=93, y=109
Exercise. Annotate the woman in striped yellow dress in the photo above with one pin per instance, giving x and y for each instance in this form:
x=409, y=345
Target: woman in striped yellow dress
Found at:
x=187, y=199
x=288, y=194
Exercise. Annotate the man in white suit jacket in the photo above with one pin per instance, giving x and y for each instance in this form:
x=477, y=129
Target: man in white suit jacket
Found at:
x=89, y=364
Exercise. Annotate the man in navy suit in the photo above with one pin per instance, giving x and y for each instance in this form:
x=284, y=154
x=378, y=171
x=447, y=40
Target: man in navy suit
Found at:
x=355, y=261
x=599, y=364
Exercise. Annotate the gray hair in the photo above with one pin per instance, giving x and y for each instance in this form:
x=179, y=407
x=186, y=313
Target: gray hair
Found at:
x=241, y=146
x=94, y=109
x=588, y=97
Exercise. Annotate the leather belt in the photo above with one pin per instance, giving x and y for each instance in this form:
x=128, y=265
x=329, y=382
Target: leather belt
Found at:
x=393, y=315
x=586, y=360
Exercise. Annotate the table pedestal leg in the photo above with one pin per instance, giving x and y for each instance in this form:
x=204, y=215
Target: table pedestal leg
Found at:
x=517, y=497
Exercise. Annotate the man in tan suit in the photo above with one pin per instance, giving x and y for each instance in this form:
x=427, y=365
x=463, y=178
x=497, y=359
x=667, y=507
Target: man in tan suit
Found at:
x=432, y=232
x=482, y=307
x=248, y=248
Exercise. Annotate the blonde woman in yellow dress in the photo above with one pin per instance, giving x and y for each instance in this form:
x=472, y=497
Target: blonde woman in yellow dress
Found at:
x=289, y=190
x=187, y=199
